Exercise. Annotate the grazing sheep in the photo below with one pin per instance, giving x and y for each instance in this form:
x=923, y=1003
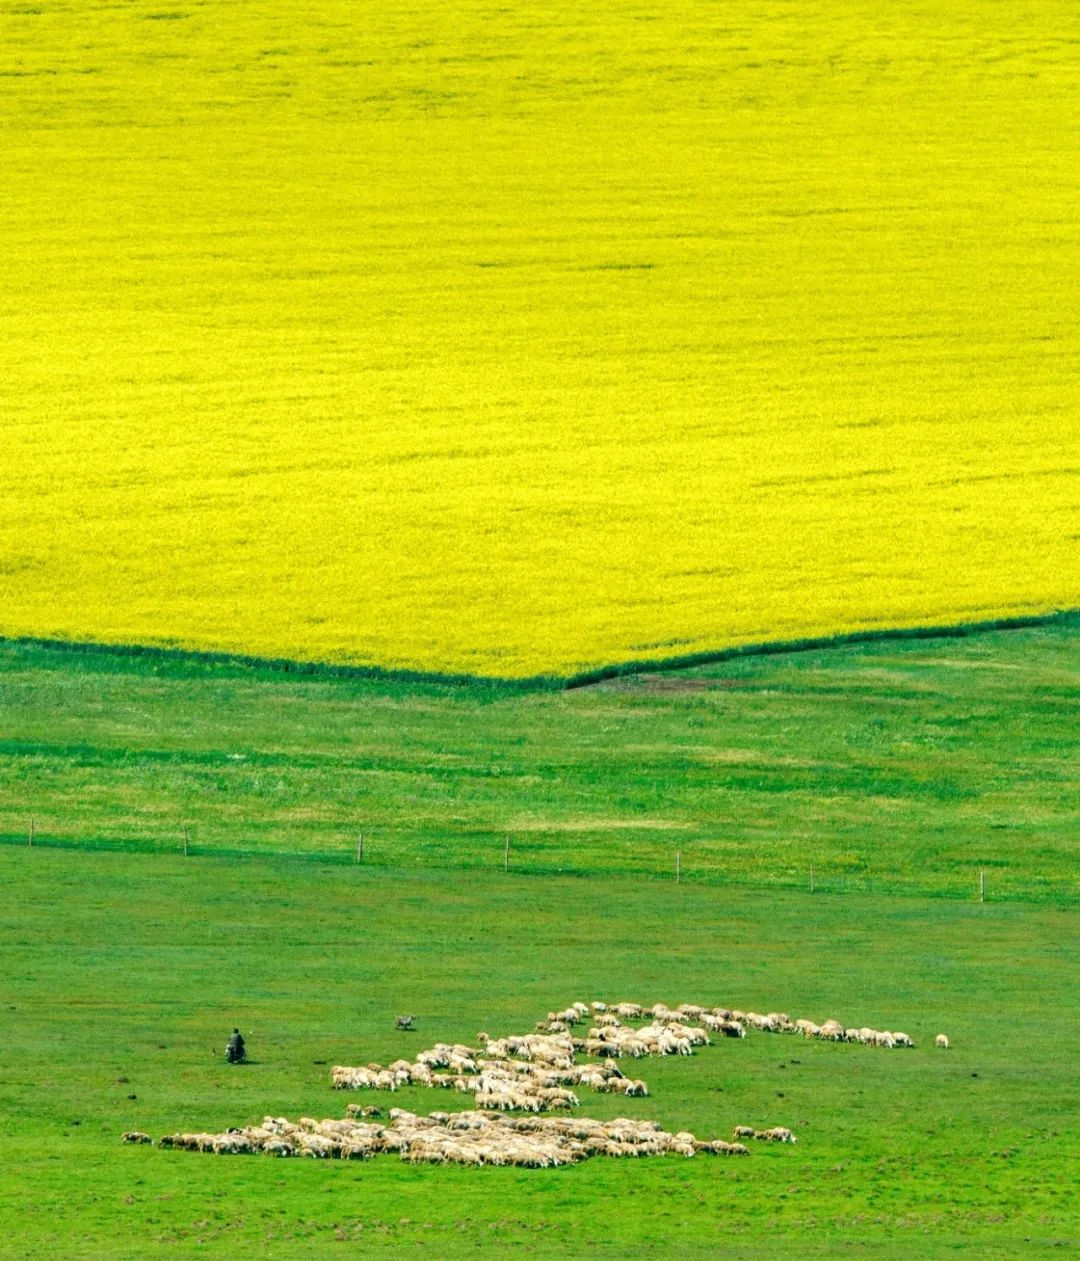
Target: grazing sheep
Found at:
x=231, y=1145
x=136, y=1136
x=551, y=1026
x=717, y=1147
x=526, y=1074
x=628, y=1011
x=358, y=1110
x=942, y=1041
x=468, y=1138
x=691, y=1033
x=778, y=1134
x=622, y=1086
x=556, y=1097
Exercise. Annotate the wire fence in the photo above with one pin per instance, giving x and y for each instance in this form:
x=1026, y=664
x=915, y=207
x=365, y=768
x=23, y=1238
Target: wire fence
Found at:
x=472, y=853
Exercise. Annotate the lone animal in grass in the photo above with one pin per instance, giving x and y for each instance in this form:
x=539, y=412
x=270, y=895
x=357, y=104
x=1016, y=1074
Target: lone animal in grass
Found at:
x=942, y=1041
x=404, y=1022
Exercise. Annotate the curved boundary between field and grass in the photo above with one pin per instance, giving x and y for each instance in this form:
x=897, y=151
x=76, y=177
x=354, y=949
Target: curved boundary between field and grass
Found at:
x=957, y=630
x=548, y=682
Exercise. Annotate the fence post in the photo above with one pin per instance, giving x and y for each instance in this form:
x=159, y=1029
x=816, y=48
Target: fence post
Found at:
x=186, y=841
x=678, y=866
x=360, y=848
x=506, y=855
x=30, y=840
x=982, y=885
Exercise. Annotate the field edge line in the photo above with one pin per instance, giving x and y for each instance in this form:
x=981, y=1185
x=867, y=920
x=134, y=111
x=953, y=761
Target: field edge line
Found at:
x=545, y=682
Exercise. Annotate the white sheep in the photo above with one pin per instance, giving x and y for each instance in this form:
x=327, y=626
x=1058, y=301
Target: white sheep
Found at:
x=778, y=1134
x=628, y=1011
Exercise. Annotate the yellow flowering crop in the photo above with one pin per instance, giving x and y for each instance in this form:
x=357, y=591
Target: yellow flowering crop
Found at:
x=517, y=339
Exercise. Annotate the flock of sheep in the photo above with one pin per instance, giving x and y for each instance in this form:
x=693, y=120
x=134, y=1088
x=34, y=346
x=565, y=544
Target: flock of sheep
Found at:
x=464, y=1138
x=537, y=1072
x=529, y=1073
x=730, y=1022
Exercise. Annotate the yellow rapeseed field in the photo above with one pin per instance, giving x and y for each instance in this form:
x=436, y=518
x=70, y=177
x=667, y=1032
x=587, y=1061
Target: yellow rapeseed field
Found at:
x=521, y=338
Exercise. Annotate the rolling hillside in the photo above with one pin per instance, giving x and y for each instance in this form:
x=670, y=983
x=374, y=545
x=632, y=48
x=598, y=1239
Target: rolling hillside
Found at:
x=901, y=767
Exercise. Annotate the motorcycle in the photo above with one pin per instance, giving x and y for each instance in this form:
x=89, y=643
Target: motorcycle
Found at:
x=235, y=1054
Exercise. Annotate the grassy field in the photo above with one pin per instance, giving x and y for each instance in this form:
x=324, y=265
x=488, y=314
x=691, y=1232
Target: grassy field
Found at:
x=898, y=769
x=121, y=973
x=518, y=341
x=902, y=766
x=511, y=339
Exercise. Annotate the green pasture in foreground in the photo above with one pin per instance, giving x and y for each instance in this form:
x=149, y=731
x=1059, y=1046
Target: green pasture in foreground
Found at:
x=121, y=972
x=904, y=766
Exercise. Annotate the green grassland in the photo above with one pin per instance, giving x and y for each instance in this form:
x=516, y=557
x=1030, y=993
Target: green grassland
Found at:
x=122, y=971
x=896, y=768
x=903, y=766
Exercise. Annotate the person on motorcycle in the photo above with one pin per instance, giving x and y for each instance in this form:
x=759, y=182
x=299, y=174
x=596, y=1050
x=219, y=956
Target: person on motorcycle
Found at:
x=234, y=1049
